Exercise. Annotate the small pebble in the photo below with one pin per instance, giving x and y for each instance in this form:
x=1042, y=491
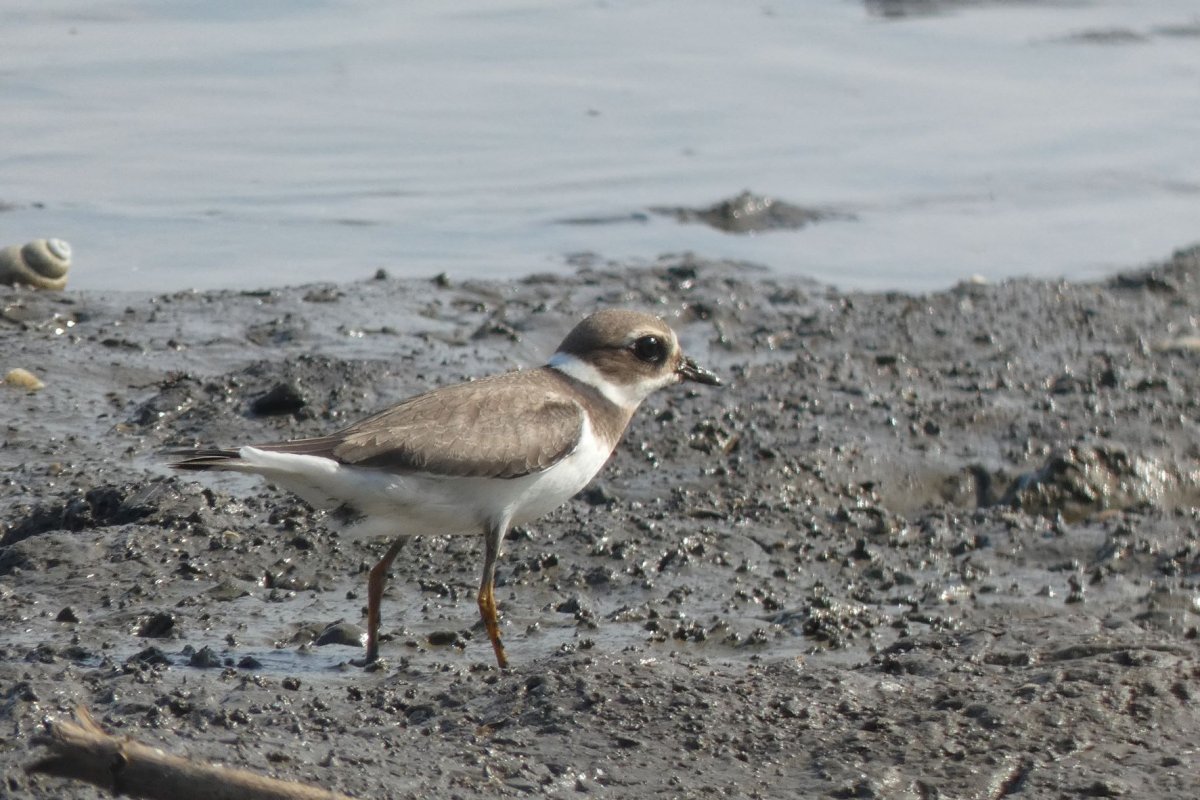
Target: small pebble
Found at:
x=1180, y=344
x=151, y=655
x=443, y=638
x=157, y=626
x=344, y=633
x=205, y=658
x=19, y=378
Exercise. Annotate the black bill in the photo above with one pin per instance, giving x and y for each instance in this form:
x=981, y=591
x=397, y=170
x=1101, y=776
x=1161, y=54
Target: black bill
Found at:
x=691, y=371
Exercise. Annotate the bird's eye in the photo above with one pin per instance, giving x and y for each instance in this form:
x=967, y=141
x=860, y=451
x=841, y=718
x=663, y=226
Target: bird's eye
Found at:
x=649, y=349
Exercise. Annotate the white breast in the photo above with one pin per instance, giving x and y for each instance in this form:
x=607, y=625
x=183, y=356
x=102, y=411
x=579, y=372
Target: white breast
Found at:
x=542, y=492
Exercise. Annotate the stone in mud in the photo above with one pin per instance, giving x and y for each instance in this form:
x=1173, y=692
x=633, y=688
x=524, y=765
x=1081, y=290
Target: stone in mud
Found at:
x=205, y=658
x=342, y=633
x=157, y=626
x=751, y=213
x=282, y=398
x=1081, y=480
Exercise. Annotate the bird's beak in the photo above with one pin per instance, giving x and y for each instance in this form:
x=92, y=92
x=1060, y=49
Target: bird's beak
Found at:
x=691, y=371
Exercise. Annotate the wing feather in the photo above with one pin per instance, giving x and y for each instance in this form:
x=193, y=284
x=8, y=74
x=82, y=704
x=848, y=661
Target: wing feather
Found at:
x=496, y=427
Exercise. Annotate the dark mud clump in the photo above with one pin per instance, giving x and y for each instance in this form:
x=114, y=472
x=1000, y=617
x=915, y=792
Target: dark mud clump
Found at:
x=752, y=213
x=919, y=546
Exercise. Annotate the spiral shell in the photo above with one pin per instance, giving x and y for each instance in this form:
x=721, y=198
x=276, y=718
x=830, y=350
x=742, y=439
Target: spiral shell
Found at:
x=43, y=264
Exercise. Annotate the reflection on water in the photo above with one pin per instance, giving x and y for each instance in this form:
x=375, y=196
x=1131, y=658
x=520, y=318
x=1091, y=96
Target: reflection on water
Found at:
x=217, y=144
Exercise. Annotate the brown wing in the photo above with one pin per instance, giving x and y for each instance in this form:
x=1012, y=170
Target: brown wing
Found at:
x=497, y=427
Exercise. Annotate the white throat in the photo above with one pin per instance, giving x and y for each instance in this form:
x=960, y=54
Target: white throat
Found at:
x=626, y=395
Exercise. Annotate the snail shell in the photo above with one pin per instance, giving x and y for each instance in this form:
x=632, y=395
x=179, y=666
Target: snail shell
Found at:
x=43, y=264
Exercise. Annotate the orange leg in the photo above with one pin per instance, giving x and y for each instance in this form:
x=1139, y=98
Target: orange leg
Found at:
x=487, y=590
x=375, y=581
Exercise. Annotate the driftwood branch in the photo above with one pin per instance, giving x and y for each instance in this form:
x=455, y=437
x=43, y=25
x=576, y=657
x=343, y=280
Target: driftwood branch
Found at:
x=81, y=750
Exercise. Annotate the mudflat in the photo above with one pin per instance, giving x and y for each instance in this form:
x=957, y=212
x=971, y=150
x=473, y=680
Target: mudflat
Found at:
x=939, y=545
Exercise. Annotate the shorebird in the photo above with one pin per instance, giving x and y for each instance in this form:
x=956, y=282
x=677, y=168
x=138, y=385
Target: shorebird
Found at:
x=478, y=457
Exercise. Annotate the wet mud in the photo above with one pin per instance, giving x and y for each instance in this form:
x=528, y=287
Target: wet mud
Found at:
x=919, y=546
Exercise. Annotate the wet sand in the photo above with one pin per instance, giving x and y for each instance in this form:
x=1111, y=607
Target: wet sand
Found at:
x=920, y=546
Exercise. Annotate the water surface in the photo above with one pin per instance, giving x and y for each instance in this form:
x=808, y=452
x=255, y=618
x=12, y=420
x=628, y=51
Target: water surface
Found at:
x=222, y=145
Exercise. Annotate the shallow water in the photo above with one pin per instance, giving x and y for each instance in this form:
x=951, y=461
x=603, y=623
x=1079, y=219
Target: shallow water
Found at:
x=214, y=145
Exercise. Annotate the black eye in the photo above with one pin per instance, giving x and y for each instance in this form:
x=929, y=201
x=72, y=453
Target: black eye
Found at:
x=649, y=349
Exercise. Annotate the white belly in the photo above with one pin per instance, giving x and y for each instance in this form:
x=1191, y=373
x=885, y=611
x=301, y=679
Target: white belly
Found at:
x=414, y=503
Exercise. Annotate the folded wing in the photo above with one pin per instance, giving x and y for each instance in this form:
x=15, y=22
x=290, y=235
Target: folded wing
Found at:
x=496, y=428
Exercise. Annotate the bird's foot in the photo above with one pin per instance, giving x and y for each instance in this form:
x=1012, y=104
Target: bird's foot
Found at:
x=369, y=659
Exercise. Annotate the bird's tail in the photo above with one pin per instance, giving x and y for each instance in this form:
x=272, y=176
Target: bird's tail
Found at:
x=207, y=459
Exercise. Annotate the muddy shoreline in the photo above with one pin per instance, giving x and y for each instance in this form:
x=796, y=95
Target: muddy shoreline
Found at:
x=921, y=546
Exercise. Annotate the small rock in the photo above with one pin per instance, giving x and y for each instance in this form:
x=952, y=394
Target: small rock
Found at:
x=343, y=633
x=443, y=638
x=1076, y=593
x=226, y=591
x=157, y=626
x=42, y=654
x=151, y=655
x=282, y=398
x=749, y=213
x=1180, y=344
x=322, y=294
x=204, y=658
x=572, y=605
x=1107, y=788
x=20, y=378
x=598, y=495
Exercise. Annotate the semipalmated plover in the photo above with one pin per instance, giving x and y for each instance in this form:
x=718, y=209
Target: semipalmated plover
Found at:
x=479, y=456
